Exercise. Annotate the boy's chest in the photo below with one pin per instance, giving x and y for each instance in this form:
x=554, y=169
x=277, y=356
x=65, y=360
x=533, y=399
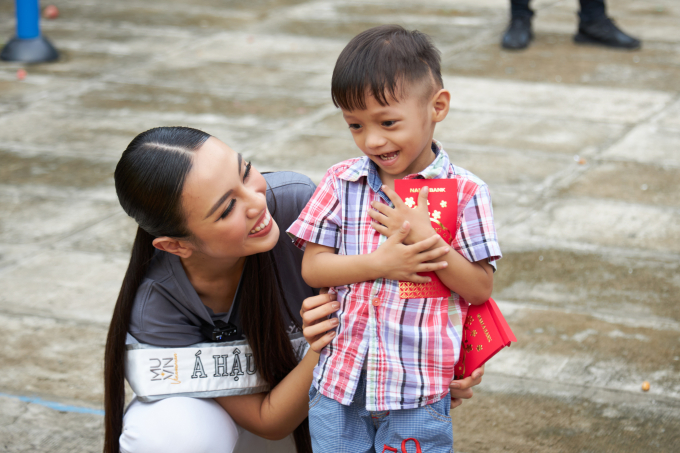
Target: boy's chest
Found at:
x=358, y=237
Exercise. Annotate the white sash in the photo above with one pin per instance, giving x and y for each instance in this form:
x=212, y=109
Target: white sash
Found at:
x=202, y=370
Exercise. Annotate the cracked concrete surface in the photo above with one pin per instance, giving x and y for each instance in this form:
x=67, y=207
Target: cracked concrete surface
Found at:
x=578, y=144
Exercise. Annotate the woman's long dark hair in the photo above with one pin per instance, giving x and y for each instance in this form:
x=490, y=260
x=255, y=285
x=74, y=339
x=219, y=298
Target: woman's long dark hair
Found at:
x=149, y=181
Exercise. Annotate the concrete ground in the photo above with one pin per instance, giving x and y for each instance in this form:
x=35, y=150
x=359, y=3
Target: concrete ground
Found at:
x=580, y=146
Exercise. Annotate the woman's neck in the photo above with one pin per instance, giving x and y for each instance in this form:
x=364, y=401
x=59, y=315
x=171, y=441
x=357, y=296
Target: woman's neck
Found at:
x=215, y=280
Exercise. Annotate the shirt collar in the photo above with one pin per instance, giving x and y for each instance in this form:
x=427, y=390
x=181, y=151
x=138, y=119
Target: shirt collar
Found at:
x=364, y=166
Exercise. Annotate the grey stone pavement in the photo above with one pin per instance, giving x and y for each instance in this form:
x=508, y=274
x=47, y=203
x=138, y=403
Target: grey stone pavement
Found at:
x=580, y=146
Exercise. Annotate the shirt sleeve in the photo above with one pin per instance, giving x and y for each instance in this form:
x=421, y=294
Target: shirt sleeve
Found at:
x=320, y=220
x=476, y=239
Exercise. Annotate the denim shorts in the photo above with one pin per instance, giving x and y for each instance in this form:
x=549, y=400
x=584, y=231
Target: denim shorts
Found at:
x=352, y=429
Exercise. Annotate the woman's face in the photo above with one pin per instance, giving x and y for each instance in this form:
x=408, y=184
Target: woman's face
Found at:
x=225, y=202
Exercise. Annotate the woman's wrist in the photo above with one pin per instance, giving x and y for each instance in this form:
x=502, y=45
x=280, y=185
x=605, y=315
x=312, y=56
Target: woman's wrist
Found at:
x=311, y=355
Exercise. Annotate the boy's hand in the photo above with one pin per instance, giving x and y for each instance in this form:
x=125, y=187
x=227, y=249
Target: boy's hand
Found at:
x=387, y=220
x=397, y=261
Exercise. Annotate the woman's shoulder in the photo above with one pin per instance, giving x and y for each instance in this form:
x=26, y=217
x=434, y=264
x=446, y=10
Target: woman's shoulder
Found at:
x=162, y=312
x=288, y=181
x=288, y=191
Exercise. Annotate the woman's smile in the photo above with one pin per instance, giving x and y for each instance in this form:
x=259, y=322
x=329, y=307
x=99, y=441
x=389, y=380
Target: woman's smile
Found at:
x=263, y=225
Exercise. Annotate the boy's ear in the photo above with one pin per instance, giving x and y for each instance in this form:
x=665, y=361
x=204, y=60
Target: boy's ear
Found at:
x=177, y=247
x=440, y=105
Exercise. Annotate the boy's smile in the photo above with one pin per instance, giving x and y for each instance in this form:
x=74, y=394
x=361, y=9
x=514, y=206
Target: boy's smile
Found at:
x=397, y=137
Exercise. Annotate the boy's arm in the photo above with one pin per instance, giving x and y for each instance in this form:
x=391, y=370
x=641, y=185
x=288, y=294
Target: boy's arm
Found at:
x=471, y=280
x=322, y=267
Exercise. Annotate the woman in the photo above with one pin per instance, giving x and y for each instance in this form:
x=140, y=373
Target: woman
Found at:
x=209, y=252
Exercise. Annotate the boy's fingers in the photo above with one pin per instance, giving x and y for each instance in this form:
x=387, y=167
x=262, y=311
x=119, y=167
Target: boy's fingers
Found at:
x=392, y=195
x=425, y=244
x=401, y=233
x=382, y=229
x=431, y=267
x=377, y=216
x=455, y=402
x=415, y=278
x=422, y=197
x=434, y=254
x=380, y=207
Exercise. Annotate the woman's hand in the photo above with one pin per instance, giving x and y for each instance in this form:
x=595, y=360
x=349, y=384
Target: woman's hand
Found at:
x=462, y=389
x=315, y=323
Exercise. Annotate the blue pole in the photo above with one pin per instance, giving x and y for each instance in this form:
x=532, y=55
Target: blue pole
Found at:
x=28, y=19
x=28, y=45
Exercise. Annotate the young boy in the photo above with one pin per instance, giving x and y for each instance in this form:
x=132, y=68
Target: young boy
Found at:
x=382, y=383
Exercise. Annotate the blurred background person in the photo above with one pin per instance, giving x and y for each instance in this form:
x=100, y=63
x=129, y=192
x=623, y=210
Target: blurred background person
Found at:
x=594, y=27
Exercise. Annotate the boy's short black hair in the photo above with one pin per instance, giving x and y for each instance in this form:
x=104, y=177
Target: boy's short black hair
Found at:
x=385, y=60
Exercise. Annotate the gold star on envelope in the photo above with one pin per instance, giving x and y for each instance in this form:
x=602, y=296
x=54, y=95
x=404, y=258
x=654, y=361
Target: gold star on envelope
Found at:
x=409, y=202
x=443, y=203
x=436, y=215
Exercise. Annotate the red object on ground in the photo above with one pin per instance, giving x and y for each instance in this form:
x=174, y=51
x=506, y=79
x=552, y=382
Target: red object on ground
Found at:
x=485, y=332
x=443, y=209
x=50, y=12
x=21, y=74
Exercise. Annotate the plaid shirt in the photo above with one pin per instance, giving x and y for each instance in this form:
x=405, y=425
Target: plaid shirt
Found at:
x=410, y=345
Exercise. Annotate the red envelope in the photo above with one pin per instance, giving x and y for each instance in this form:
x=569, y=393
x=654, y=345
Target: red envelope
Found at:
x=443, y=209
x=485, y=332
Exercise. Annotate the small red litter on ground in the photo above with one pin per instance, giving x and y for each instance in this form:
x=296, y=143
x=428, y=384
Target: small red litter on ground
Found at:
x=21, y=74
x=50, y=12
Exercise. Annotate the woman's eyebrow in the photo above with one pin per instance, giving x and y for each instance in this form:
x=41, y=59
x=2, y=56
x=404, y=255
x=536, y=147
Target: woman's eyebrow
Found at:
x=227, y=194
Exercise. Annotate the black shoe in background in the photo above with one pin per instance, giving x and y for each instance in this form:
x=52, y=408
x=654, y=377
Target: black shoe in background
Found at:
x=605, y=33
x=519, y=34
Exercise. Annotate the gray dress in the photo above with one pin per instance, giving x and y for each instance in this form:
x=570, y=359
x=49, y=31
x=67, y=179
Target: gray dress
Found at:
x=167, y=310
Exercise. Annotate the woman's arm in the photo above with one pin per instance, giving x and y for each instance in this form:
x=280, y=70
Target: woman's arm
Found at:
x=276, y=414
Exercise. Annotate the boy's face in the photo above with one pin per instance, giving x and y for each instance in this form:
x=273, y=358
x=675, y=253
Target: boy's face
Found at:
x=398, y=136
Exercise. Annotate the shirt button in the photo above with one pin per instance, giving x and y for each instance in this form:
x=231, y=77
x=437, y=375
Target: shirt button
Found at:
x=376, y=302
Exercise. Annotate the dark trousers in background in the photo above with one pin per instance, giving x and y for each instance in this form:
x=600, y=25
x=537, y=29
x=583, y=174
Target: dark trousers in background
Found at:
x=591, y=10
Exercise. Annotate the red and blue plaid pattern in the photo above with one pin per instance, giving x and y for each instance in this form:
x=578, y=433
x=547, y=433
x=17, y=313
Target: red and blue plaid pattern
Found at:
x=409, y=346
